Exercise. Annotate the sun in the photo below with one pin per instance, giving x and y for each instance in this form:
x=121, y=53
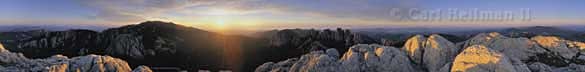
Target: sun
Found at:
x=221, y=19
x=227, y=20
x=220, y=22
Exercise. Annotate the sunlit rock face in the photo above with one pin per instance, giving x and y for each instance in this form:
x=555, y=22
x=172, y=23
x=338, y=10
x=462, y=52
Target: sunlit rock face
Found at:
x=517, y=50
x=413, y=47
x=479, y=58
x=359, y=58
x=16, y=62
x=432, y=53
x=556, y=45
x=2, y=48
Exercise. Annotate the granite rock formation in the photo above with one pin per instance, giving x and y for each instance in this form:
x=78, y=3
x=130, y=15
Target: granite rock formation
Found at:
x=479, y=58
x=359, y=58
x=313, y=40
x=17, y=62
x=432, y=53
x=485, y=52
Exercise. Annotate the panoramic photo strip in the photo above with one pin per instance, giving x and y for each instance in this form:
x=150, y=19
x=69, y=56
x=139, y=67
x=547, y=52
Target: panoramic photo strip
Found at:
x=292, y=35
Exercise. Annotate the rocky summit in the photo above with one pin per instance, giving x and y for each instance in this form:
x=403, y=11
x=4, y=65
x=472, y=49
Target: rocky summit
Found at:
x=16, y=62
x=485, y=52
x=359, y=58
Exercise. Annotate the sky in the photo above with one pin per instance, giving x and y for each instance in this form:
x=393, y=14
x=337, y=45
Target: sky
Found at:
x=274, y=14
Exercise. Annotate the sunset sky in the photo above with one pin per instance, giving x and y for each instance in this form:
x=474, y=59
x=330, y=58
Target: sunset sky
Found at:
x=271, y=14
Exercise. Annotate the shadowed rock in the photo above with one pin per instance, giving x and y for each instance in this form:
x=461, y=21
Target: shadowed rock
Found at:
x=142, y=69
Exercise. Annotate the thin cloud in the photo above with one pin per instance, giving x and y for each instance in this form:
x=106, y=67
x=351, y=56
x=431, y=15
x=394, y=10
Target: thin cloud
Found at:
x=125, y=11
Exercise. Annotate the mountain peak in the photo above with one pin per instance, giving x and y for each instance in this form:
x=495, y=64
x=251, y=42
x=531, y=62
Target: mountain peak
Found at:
x=160, y=24
x=155, y=23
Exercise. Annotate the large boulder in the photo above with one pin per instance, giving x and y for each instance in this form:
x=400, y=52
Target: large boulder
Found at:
x=92, y=63
x=432, y=53
x=142, y=69
x=483, y=39
x=539, y=67
x=556, y=45
x=438, y=52
x=479, y=58
x=521, y=48
x=413, y=48
x=316, y=61
x=570, y=68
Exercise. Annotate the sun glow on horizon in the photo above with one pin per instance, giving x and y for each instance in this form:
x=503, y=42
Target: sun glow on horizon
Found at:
x=222, y=21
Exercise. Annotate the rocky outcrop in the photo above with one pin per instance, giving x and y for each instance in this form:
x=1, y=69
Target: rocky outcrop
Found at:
x=542, y=53
x=69, y=43
x=17, y=62
x=433, y=52
x=556, y=45
x=520, y=48
x=539, y=67
x=570, y=68
x=482, y=39
x=413, y=48
x=301, y=39
x=2, y=49
x=142, y=69
x=524, y=49
x=359, y=58
x=485, y=52
x=479, y=58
